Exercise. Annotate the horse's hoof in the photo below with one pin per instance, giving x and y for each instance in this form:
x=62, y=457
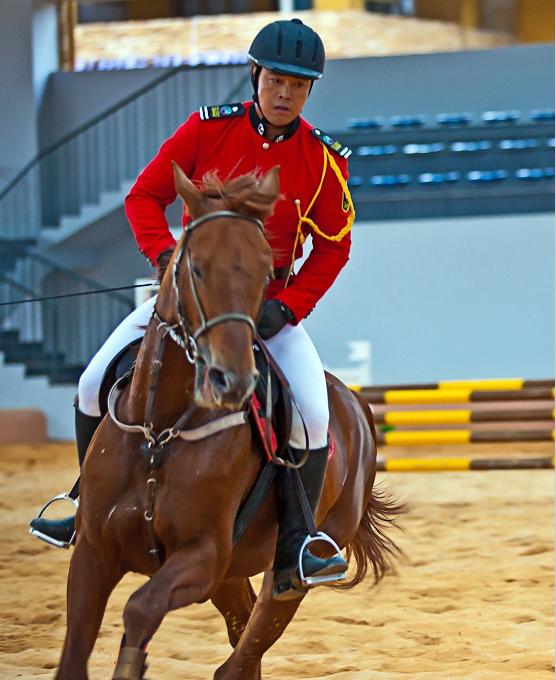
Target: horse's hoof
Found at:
x=131, y=664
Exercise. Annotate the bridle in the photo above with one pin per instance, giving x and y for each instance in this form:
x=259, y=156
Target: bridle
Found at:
x=189, y=340
x=153, y=448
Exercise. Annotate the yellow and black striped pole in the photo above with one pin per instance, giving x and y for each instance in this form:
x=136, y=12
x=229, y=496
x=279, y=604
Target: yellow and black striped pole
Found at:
x=461, y=416
x=453, y=396
x=457, y=464
x=449, y=437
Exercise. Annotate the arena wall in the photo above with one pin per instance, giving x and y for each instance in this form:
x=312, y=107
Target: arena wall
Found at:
x=437, y=299
x=519, y=77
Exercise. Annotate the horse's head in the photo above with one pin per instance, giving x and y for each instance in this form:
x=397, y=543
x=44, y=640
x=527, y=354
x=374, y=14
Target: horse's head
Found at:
x=218, y=277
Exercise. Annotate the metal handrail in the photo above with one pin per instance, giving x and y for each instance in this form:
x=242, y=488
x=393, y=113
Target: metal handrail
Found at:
x=53, y=359
x=85, y=322
x=11, y=247
x=105, y=114
x=108, y=151
x=20, y=287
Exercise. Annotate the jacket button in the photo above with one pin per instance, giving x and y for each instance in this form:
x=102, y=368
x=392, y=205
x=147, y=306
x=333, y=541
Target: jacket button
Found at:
x=266, y=145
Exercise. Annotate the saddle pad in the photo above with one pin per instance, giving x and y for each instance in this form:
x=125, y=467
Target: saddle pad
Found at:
x=260, y=426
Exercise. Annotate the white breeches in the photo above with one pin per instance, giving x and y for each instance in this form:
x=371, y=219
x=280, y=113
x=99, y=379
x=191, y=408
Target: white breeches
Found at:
x=292, y=349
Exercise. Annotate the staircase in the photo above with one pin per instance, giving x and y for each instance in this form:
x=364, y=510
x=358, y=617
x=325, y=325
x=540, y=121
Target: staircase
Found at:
x=66, y=188
x=53, y=337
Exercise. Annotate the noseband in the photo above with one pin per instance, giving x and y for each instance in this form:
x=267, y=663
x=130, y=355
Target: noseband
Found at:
x=190, y=337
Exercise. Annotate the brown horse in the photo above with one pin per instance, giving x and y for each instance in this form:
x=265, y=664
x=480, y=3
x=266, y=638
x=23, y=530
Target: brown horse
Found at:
x=174, y=523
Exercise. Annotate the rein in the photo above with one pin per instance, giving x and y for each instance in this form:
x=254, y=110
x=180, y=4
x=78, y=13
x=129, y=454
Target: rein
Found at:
x=190, y=342
x=182, y=334
x=153, y=446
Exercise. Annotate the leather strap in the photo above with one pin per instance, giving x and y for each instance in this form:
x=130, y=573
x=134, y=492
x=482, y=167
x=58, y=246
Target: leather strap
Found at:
x=254, y=501
x=281, y=273
x=195, y=434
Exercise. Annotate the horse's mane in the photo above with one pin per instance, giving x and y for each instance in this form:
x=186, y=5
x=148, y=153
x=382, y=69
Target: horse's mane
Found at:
x=241, y=194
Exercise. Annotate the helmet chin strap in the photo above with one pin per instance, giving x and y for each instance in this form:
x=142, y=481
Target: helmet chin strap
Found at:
x=255, y=81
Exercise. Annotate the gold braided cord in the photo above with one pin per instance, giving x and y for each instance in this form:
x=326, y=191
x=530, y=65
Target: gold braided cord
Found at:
x=327, y=160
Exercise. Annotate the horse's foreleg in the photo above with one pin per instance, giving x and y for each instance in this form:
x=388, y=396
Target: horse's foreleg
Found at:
x=187, y=576
x=235, y=600
x=89, y=586
x=266, y=624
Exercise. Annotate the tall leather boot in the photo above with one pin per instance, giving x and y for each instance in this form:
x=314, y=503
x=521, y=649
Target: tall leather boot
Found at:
x=62, y=530
x=292, y=530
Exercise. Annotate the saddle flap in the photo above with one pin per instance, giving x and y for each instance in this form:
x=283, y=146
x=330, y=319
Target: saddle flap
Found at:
x=119, y=366
x=281, y=403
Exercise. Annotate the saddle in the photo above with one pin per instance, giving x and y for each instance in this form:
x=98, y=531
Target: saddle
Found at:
x=270, y=415
x=271, y=398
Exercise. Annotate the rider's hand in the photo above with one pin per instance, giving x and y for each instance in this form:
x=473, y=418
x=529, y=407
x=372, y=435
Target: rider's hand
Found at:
x=162, y=262
x=274, y=317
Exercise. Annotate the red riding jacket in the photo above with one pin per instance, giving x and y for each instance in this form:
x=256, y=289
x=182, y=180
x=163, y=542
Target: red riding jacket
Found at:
x=313, y=170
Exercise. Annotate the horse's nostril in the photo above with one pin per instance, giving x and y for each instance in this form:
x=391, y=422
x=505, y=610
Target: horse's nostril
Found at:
x=218, y=378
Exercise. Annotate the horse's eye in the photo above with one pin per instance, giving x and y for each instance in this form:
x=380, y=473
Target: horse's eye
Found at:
x=196, y=271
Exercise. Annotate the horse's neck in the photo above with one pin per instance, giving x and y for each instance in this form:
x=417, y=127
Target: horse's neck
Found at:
x=175, y=384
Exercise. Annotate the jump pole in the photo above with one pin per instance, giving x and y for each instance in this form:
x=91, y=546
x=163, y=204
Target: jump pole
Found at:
x=455, y=464
x=447, y=437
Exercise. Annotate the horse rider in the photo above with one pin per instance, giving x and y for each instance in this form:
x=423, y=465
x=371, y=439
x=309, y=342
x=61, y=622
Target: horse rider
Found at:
x=286, y=58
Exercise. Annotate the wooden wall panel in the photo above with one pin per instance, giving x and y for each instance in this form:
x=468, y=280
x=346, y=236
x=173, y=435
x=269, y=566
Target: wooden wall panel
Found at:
x=535, y=20
x=152, y=9
x=337, y=4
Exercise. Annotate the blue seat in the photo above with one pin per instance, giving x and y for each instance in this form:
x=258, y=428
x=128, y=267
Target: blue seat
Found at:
x=487, y=175
x=407, y=121
x=365, y=123
x=542, y=115
x=448, y=119
x=438, y=177
x=423, y=149
x=389, y=180
x=549, y=172
x=470, y=147
x=518, y=144
x=500, y=116
x=382, y=150
x=354, y=181
x=529, y=173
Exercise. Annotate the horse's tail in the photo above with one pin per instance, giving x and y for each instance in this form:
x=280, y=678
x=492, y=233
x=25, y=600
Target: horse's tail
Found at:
x=371, y=546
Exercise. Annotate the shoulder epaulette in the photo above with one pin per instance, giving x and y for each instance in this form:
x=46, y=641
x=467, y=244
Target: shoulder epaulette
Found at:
x=336, y=146
x=221, y=111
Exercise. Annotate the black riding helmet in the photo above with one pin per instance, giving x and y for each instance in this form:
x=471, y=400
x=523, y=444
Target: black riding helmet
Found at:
x=289, y=47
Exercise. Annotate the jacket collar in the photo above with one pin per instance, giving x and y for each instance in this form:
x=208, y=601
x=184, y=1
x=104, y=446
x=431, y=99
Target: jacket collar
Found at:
x=259, y=125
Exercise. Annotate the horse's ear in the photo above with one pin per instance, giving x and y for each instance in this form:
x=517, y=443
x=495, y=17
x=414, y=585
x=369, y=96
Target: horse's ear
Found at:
x=269, y=184
x=188, y=191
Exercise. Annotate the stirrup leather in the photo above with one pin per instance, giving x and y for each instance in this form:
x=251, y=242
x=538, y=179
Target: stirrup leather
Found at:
x=309, y=581
x=48, y=539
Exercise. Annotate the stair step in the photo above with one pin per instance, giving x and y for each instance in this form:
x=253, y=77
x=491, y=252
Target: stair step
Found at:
x=60, y=375
x=39, y=361
x=8, y=338
x=66, y=375
x=18, y=352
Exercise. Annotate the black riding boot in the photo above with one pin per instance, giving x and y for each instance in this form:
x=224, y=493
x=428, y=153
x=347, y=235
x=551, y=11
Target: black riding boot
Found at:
x=62, y=530
x=292, y=530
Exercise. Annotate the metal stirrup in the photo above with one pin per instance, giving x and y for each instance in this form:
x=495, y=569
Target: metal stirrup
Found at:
x=326, y=578
x=48, y=539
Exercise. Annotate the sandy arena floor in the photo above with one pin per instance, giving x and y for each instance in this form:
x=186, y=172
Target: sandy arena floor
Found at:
x=474, y=599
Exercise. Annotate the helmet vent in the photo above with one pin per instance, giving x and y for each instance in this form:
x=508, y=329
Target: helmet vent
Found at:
x=298, y=49
x=315, y=49
x=280, y=40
